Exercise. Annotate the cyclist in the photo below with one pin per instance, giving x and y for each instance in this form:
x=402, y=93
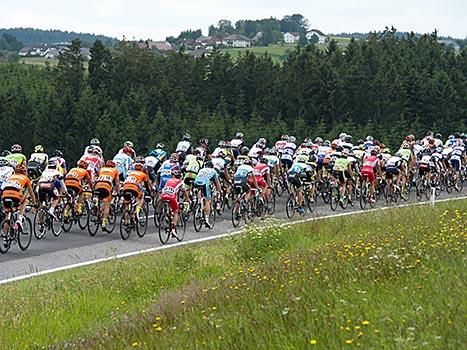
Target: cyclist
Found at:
x=395, y=166
x=258, y=149
x=136, y=182
x=94, y=161
x=170, y=193
x=123, y=163
x=51, y=184
x=191, y=167
x=287, y=153
x=16, y=156
x=203, y=148
x=58, y=156
x=368, y=143
x=203, y=180
x=165, y=171
x=76, y=179
x=263, y=177
x=298, y=172
x=108, y=182
x=37, y=162
x=371, y=166
x=128, y=149
x=95, y=144
x=184, y=147
x=458, y=157
x=14, y=189
x=159, y=153
x=6, y=170
x=242, y=157
x=237, y=143
x=272, y=160
x=242, y=178
x=281, y=144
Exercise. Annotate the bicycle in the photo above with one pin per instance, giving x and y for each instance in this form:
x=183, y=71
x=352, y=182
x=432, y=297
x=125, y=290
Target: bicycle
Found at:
x=96, y=214
x=240, y=208
x=71, y=215
x=130, y=220
x=337, y=198
x=198, y=212
x=165, y=223
x=12, y=232
x=292, y=207
x=365, y=197
x=44, y=221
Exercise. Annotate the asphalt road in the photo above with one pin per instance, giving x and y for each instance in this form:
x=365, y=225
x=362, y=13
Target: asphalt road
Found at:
x=78, y=246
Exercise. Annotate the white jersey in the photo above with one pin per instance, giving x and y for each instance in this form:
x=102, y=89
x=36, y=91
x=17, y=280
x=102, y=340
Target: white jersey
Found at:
x=183, y=146
x=280, y=145
x=40, y=158
x=255, y=151
x=50, y=175
x=288, y=151
x=88, y=148
x=5, y=173
x=151, y=161
x=219, y=163
x=417, y=149
x=457, y=152
x=217, y=151
x=393, y=162
x=236, y=143
x=347, y=145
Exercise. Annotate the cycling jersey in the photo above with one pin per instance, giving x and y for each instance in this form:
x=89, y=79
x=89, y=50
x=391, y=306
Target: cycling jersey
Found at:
x=170, y=193
x=165, y=172
x=49, y=183
x=15, y=186
x=123, y=164
x=183, y=146
x=288, y=151
x=74, y=179
x=280, y=145
x=219, y=164
x=255, y=152
x=16, y=158
x=240, y=160
x=393, y=165
x=367, y=145
x=105, y=181
x=40, y=158
x=134, y=183
x=406, y=154
x=272, y=161
x=158, y=153
x=341, y=164
x=456, y=157
x=240, y=179
x=5, y=173
x=237, y=143
x=260, y=171
x=204, y=178
x=94, y=163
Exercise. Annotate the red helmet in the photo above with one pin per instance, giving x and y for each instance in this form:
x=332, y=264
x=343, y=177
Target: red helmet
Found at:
x=82, y=164
x=138, y=167
x=20, y=169
x=110, y=163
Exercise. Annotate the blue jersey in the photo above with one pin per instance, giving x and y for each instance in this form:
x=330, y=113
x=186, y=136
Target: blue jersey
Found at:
x=205, y=176
x=158, y=153
x=122, y=164
x=243, y=171
x=165, y=172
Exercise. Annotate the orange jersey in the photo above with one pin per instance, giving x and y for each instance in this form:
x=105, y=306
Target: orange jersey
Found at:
x=107, y=174
x=17, y=182
x=136, y=177
x=77, y=174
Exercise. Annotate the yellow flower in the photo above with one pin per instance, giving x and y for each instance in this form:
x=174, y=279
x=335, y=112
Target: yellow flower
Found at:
x=349, y=341
x=135, y=344
x=157, y=318
x=365, y=323
x=313, y=341
x=357, y=327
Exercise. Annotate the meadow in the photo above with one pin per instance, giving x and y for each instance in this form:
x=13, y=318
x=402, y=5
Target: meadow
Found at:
x=380, y=280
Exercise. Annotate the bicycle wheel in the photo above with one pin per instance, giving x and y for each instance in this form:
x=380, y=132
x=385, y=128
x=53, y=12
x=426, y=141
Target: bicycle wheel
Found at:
x=271, y=203
x=142, y=221
x=57, y=221
x=278, y=188
x=420, y=189
x=290, y=206
x=67, y=217
x=181, y=228
x=458, y=185
x=5, y=242
x=25, y=234
x=311, y=201
x=125, y=224
x=247, y=211
x=364, y=196
x=83, y=217
x=334, y=198
x=165, y=226
x=198, y=217
x=112, y=219
x=157, y=204
x=326, y=191
x=236, y=213
x=39, y=223
x=93, y=219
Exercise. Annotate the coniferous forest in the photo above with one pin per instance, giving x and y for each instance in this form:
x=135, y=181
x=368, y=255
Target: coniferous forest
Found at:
x=385, y=86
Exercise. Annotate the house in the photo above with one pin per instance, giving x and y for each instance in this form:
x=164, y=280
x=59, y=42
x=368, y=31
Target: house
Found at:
x=51, y=53
x=24, y=51
x=189, y=44
x=321, y=36
x=236, y=40
x=160, y=46
x=291, y=37
x=208, y=42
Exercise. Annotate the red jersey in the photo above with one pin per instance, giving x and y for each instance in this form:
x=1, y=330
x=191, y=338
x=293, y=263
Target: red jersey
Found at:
x=260, y=171
x=171, y=188
x=370, y=163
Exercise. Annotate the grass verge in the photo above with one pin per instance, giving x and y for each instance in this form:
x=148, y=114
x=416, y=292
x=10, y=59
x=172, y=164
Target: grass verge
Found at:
x=391, y=279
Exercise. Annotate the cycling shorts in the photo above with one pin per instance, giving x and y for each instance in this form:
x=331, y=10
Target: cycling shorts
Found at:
x=172, y=201
x=104, y=189
x=241, y=185
x=370, y=174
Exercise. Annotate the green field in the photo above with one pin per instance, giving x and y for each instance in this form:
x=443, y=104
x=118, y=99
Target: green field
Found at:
x=383, y=280
x=38, y=60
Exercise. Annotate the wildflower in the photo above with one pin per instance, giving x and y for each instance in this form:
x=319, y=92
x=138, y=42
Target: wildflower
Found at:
x=365, y=323
x=313, y=341
x=135, y=344
x=157, y=318
x=349, y=341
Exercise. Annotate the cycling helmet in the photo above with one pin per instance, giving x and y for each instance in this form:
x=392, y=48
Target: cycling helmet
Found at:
x=4, y=162
x=95, y=142
x=342, y=135
x=360, y=142
x=20, y=169
x=438, y=136
x=39, y=149
x=186, y=137
x=429, y=133
x=262, y=142
x=318, y=140
x=306, y=140
x=176, y=173
x=373, y=152
x=128, y=144
x=284, y=137
x=82, y=164
x=292, y=139
x=369, y=138
x=247, y=162
x=327, y=143
x=110, y=163
x=405, y=145
x=138, y=166
x=301, y=158
x=208, y=164
x=244, y=150
x=221, y=143
x=204, y=142
x=160, y=145
x=198, y=152
x=309, y=143
x=386, y=150
x=348, y=138
x=16, y=148
x=239, y=135
x=58, y=153
x=140, y=160
x=52, y=163
x=334, y=145
x=456, y=136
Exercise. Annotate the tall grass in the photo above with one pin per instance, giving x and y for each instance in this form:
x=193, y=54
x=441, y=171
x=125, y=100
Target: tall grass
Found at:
x=379, y=280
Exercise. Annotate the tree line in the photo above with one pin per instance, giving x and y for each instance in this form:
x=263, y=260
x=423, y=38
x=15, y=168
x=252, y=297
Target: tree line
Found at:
x=386, y=86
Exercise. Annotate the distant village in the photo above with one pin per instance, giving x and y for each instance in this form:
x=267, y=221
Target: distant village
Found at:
x=197, y=47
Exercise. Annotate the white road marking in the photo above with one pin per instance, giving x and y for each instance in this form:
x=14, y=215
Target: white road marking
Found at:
x=204, y=239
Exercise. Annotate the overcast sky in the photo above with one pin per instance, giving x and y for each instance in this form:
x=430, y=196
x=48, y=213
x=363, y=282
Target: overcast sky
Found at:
x=157, y=19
